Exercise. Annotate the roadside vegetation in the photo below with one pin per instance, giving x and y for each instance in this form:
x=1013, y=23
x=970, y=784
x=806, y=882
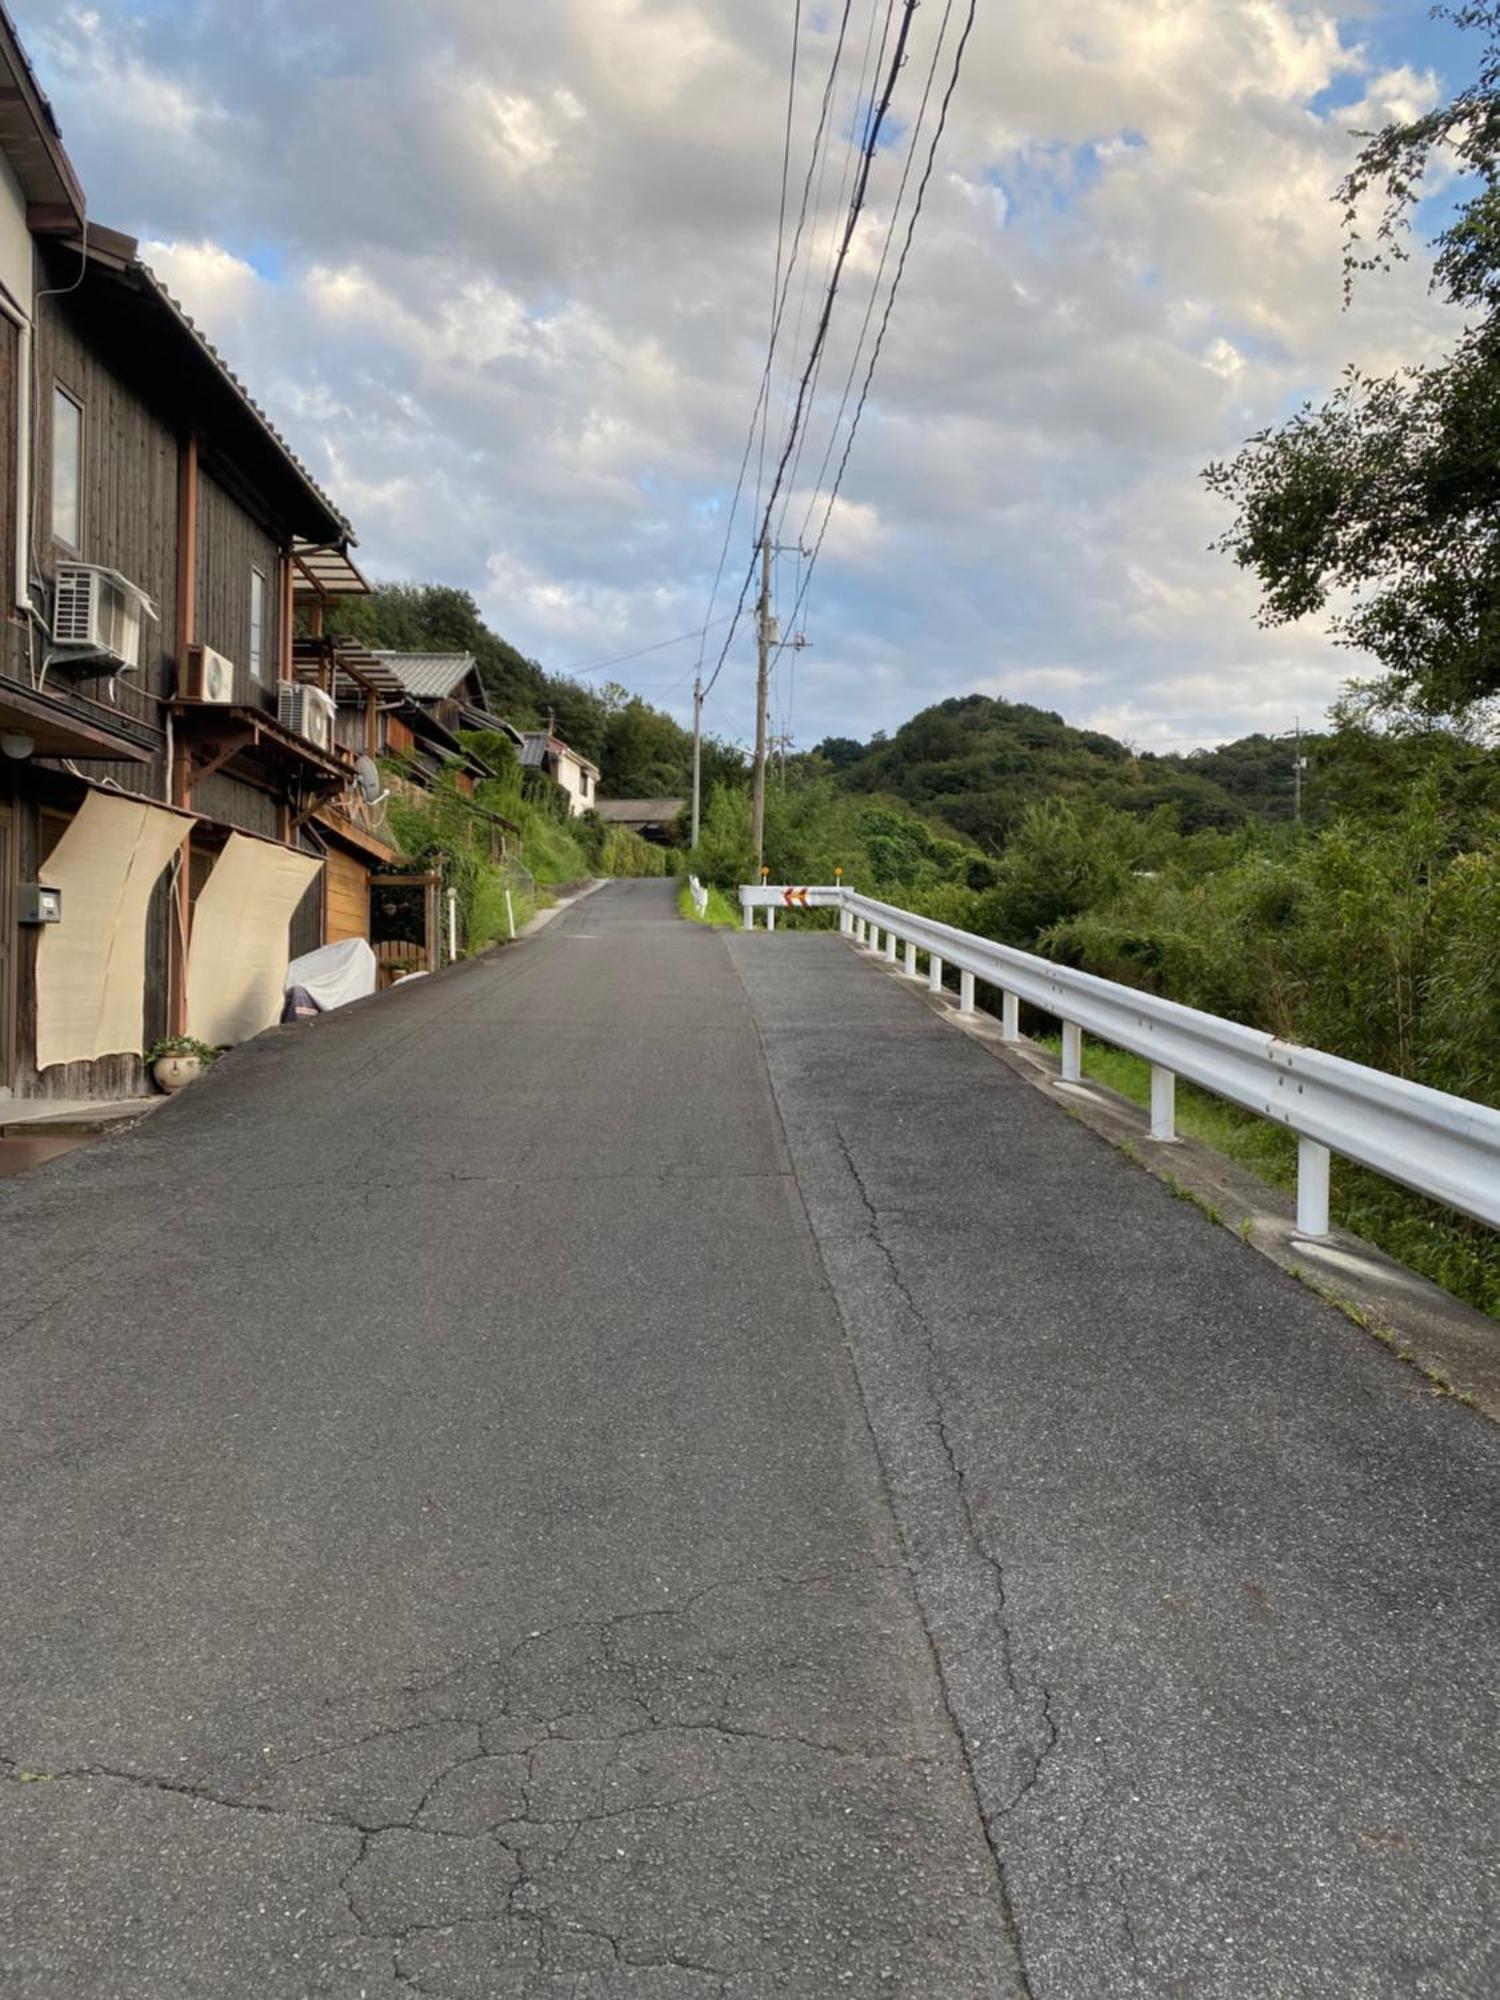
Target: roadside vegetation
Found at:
x=721, y=912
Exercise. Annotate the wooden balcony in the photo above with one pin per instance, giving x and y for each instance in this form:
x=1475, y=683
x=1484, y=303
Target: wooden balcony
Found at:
x=63, y=722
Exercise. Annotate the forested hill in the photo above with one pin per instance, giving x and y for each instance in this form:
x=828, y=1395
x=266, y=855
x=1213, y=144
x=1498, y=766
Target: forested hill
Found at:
x=977, y=763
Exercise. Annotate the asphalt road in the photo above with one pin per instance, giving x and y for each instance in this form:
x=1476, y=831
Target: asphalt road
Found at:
x=652, y=1466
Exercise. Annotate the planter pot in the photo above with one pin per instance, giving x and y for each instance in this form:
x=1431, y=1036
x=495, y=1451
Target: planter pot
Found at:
x=172, y=1072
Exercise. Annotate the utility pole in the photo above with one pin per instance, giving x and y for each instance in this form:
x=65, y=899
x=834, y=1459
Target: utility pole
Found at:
x=1297, y=775
x=762, y=687
x=697, y=756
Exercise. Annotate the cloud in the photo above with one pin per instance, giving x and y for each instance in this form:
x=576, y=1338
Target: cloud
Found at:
x=504, y=277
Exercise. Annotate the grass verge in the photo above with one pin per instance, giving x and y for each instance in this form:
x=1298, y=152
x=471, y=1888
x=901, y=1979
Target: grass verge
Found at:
x=720, y=912
x=1461, y=1256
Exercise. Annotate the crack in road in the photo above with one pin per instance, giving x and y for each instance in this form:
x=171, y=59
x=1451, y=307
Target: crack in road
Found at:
x=970, y=1717
x=441, y=1853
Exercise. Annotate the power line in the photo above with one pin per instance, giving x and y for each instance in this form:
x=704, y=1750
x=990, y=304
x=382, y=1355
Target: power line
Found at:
x=763, y=395
x=890, y=237
x=849, y=157
x=839, y=199
x=619, y=659
x=820, y=335
x=786, y=166
x=958, y=60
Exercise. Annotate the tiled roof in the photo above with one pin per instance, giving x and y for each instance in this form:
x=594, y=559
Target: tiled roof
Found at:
x=179, y=313
x=429, y=676
x=639, y=812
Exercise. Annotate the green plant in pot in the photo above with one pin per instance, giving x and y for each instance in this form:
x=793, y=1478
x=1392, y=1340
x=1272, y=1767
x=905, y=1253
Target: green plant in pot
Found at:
x=177, y=1059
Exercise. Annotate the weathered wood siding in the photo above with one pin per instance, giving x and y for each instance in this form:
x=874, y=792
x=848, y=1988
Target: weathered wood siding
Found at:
x=232, y=802
x=230, y=545
x=129, y=501
x=128, y=508
x=307, y=918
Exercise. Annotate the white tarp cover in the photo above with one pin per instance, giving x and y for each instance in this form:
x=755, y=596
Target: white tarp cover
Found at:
x=335, y=974
x=91, y=967
x=238, y=954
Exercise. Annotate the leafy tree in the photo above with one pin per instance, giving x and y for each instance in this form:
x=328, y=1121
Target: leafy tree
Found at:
x=436, y=618
x=1387, y=496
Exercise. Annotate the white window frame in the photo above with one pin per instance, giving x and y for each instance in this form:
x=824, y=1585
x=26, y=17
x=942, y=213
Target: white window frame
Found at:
x=257, y=652
x=62, y=394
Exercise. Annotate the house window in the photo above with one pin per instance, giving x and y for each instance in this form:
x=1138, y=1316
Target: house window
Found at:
x=257, y=623
x=67, y=468
x=583, y=784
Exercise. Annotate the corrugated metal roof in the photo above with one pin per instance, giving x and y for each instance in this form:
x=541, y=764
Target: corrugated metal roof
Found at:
x=556, y=746
x=327, y=571
x=429, y=676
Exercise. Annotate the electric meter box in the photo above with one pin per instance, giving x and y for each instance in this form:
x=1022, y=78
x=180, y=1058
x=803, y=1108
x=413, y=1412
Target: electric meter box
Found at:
x=37, y=904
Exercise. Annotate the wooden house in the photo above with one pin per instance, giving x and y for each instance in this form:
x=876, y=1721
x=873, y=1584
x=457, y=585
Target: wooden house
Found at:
x=162, y=768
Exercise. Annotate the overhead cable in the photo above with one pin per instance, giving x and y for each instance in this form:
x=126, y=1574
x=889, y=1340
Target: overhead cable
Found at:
x=820, y=335
x=885, y=320
x=763, y=394
x=890, y=236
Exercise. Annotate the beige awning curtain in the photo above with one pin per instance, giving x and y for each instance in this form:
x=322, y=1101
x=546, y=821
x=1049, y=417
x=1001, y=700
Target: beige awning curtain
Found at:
x=91, y=967
x=239, y=951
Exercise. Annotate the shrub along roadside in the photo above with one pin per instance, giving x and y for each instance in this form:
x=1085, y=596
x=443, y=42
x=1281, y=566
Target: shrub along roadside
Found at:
x=720, y=912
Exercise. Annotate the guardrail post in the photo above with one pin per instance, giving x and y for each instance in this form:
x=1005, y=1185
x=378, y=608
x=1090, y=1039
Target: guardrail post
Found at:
x=966, y=993
x=1312, y=1188
x=1072, y=1052
x=911, y=961
x=872, y=936
x=1010, y=1017
x=770, y=916
x=1163, y=1104
x=890, y=946
x=749, y=918
x=934, y=973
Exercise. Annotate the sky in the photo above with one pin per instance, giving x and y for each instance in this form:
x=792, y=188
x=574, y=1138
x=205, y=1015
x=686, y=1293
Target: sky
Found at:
x=503, y=276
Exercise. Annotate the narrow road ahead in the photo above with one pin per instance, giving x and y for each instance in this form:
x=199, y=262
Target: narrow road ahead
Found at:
x=652, y=1467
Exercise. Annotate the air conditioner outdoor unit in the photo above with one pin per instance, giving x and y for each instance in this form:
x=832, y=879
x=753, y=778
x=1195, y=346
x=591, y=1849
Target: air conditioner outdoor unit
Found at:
x=210, y=675
x=306, y=711
x=99, y=611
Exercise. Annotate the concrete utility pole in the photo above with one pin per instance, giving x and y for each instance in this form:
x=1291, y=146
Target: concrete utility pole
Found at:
x=697, y=756
x=762, y=686
x=1297, y=761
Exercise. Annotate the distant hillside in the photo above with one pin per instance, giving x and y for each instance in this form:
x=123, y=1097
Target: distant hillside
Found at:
x=978, y=763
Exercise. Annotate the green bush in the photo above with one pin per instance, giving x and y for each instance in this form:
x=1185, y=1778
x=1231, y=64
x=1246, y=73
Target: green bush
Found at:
x=623, y=852
x=721, y=913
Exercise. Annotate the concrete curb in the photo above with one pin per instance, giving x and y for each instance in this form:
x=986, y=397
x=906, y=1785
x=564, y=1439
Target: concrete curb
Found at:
x=1454, y=1347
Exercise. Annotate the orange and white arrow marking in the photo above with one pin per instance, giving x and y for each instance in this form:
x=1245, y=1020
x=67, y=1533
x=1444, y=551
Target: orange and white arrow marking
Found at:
x=794, y=898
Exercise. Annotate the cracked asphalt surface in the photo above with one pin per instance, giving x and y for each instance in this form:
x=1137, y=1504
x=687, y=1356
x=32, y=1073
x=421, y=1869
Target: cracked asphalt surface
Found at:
x=652, y=1467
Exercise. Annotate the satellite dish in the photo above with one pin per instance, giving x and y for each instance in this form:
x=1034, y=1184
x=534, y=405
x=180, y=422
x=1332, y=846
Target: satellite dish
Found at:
x=367, y=777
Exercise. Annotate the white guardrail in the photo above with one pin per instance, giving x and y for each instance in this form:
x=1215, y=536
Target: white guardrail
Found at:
x=1446, y=1148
